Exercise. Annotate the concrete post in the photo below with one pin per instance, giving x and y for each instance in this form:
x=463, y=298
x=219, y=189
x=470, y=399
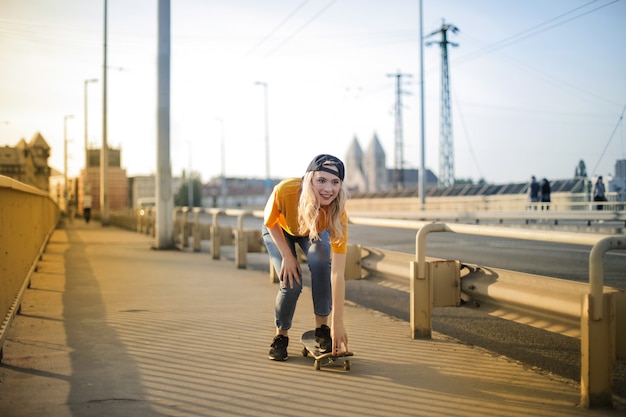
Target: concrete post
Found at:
x=164, y=197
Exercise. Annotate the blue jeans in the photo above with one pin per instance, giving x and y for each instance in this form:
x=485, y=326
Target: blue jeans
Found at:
x=318, y=259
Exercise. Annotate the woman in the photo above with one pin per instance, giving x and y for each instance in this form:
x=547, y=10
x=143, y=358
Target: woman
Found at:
x=310, y=212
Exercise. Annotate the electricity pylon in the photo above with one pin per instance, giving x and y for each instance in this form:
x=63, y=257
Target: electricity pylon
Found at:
x=446, y=144
x=398, y=173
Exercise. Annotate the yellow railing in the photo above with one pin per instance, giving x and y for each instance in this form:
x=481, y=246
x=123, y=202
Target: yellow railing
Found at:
x=28, y=218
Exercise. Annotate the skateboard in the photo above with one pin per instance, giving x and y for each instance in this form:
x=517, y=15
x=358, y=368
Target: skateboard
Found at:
x=311, y=348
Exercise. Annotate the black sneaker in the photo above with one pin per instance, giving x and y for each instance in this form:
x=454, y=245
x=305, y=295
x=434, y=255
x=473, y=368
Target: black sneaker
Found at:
x=322, y=337
x=278, y=351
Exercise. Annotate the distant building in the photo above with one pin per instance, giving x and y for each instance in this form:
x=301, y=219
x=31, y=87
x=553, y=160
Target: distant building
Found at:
x=355, y=175
x=141, y=187
x=366, y=172
x=239, y=192
x=618, y=183
x=620, y=168
x=116, y=178
x=56, y=185
x=27, y=162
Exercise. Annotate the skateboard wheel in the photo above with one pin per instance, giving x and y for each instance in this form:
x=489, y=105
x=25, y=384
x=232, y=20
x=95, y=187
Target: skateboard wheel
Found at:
x=317, y=365
x=305, y=352
x=346, y=365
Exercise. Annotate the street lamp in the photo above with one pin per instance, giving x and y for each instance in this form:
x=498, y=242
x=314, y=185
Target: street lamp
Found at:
x=223, y=158
x=87, y=186
x=104, y=151
x=267, y=142
x=69, y=116
x=190, y=187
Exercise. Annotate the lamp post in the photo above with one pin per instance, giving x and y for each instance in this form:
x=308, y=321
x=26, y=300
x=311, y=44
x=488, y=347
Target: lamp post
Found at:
x=422, y=170
x=65, y=118
x=223, y=163
x=104, y=152
x=87, y=185
x=267, y=141
x=190, y=186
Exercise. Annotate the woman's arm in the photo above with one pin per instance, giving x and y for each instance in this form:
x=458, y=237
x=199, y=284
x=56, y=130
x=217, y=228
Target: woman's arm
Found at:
x=337, y=277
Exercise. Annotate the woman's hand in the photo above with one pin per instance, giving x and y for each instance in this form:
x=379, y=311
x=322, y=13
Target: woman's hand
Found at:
x=290, y=270
x=340, y=337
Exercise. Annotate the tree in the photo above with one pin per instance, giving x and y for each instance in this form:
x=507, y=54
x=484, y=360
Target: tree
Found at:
x=182, y=196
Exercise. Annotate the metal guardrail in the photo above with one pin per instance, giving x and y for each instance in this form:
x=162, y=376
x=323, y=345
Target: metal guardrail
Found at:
x=601, y=311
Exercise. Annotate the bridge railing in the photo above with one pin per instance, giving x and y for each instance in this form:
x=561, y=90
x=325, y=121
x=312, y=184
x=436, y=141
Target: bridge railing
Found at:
x=560, y=201
x=29, y=216
x=613, y=221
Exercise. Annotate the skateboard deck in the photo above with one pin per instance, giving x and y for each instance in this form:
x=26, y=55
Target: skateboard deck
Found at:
x=311, y=348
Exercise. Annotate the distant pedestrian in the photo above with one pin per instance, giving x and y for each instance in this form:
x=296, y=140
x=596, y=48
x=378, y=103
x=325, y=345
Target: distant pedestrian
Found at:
x=599, y=192
x=87, y=201
x=545, y=192
x=533, y=192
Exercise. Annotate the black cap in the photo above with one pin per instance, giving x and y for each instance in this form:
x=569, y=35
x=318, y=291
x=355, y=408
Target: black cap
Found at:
x=318, y=164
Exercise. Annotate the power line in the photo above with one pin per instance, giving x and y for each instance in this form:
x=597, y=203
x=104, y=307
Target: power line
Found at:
x=527, y=33
x=467, y=138
x=621, y=118
x=308, y=22
x=269, y=35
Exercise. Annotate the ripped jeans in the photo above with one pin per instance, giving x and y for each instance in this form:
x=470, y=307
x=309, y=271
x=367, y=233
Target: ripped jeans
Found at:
x=318, y=259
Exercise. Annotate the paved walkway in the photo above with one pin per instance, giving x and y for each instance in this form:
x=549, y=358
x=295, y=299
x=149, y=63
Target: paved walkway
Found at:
x=110, y=327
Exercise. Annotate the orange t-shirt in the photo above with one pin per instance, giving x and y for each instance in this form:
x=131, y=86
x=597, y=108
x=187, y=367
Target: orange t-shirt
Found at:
x=282, y=209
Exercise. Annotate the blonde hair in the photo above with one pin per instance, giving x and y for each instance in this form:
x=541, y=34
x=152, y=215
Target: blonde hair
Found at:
x=309, y=210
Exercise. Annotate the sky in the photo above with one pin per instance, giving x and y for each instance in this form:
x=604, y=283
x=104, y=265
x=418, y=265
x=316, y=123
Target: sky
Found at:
x=535, y=86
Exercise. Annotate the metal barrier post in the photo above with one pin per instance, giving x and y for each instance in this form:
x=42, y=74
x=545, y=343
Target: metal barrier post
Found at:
x=241, y=242
x=353, y=262
x=421, y=287
x=421, y=307
x=597, y=342
x=215, y=236
x=152, y=221
x=185, y=238
x=196, y=230
x=176, y=225
x=273, y=274
x=598, y=331
x=138, y=221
